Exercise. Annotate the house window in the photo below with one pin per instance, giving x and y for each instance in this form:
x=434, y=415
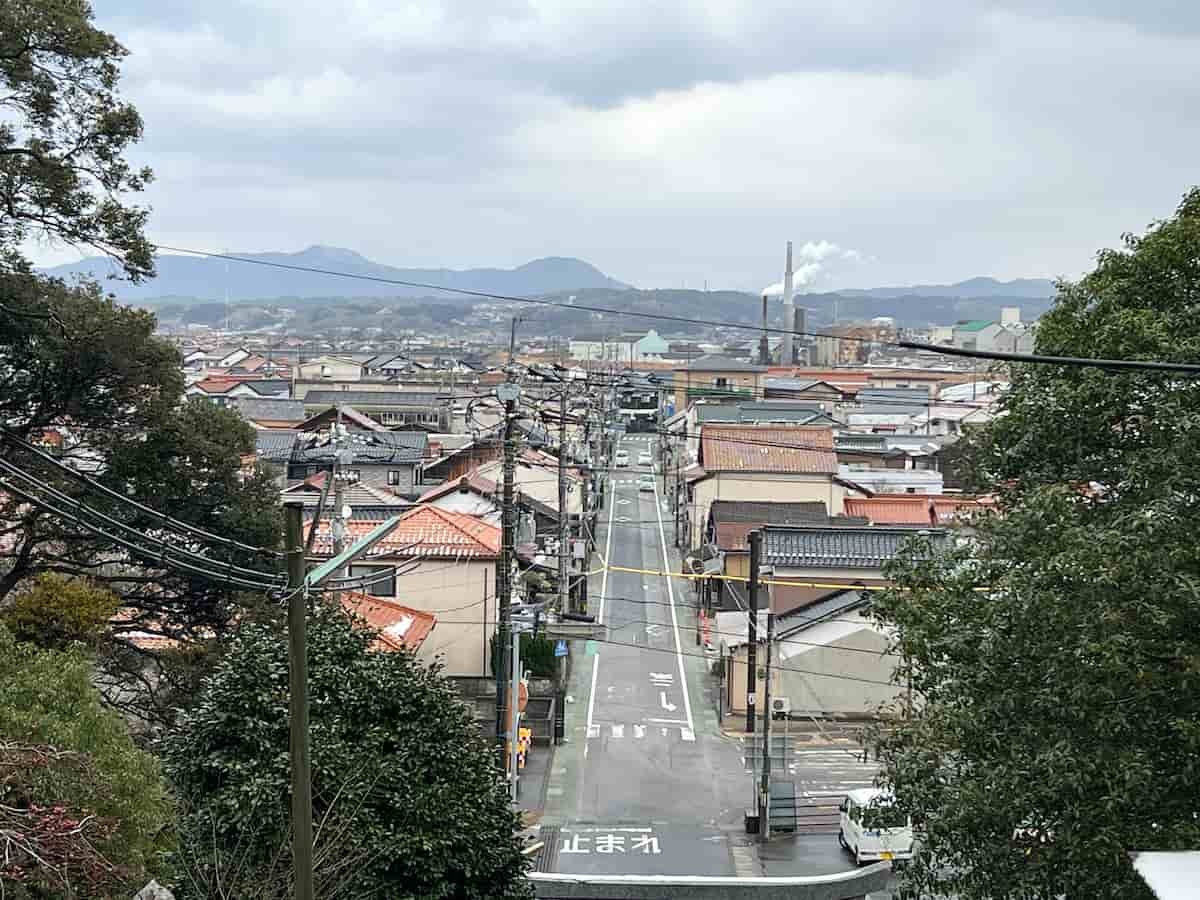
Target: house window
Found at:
x=393, y=477
x=721, y=382
x=384, y=587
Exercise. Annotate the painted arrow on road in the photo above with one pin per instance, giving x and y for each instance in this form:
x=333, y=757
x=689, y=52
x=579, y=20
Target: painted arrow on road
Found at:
x=669, y=707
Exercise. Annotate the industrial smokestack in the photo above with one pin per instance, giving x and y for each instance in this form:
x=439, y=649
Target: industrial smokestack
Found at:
x=764, y=347
x=786, y=356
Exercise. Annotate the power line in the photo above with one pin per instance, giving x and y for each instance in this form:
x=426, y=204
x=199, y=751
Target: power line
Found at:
x=1188, y=368
x=175, y=524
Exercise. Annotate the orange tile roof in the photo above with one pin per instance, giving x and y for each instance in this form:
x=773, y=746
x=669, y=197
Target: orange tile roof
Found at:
x=790, y=449
x=891, y=510
x=473, y=480
x=948, y=510
x=424, y=531
x=399, y=627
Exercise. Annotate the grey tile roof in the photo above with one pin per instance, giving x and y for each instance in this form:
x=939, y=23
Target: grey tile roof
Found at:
x=793, y=414
x=275, y=446
x=389, y=399
x=818, y=547
x=714, y=363
x=266, y=408
x=371, y=447
x=765, y=512
x=270, y=388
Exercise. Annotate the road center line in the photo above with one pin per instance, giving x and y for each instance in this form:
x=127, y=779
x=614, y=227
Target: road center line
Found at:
x=612, y=505
x=687, y=702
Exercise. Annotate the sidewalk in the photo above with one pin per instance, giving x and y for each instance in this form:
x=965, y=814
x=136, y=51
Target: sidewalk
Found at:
x=531, y=788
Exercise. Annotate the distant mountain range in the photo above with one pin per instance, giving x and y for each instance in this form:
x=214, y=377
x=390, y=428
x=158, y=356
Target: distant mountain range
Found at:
x=972, y=288
x=204, y=278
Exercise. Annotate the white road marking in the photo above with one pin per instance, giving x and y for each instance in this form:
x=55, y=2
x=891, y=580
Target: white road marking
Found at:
x=618, y=731
x=666, y=721
x=600, y=619
x=669, y=707
x=592, y=700
x=665, y=677
x=639, y=731
x=687, y=734
x=687, y=703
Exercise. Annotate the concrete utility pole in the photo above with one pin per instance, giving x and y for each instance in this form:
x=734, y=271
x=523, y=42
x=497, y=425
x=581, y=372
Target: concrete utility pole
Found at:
x=508, y=392
x=752, y=632
x=302, y=839
x=338, y=522
x=515, y=718
x=765, y=831
x=564, y=533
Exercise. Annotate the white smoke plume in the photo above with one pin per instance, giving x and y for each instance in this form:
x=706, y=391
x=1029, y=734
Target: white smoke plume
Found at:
x=809, y=260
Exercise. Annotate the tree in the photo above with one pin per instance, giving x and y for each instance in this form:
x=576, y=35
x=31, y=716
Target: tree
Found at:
x=1057, y=657
x=83, y=813
x=63, y=135
x=405, y=795
x=58, y=611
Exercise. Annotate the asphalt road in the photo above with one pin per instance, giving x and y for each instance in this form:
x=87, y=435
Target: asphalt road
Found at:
x=647, y=784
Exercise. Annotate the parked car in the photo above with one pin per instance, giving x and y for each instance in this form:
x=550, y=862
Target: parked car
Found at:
x=872, y=828
x=622, y=459
x=645, y=459
x=645, y=482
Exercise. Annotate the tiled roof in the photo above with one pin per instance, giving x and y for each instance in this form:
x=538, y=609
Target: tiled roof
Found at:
x=734, y=520
x=480, y=484
x=375, y=447
x=891, y=509
x=349, y=414
x=270, y=409
x=356, y=493
x=713, y=363
x=388, y=399
x=425, y=531
x=952, y=510
x=790, y=449
x=817, y=547
x=274, y=446
x=776, y=411
x=399, y=627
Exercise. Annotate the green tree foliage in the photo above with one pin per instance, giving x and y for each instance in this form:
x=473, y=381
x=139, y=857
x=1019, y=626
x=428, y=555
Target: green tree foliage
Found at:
x=58, y=611
x=537, y=655
x=64, y=758
x=1057, y=658
x=405, y=795
x=63, y=135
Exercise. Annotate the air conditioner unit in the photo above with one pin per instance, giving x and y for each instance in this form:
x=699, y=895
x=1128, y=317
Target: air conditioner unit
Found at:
x=780, y=707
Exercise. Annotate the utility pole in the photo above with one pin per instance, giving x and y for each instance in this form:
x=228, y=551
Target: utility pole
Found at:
x=515, y=729
x=302, y=839
x=508, y=392
x=338, y=522
x=765, y=814
x=752, y=632
x=563, y=520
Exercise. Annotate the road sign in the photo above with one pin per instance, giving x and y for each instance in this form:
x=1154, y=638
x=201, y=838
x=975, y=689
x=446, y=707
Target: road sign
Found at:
x=560, y=648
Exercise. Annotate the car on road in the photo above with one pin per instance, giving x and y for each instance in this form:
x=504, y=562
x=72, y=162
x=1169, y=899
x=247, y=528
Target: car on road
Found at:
x=645, y=482
x=645, y=459
x=872, y=828
x=622, y=459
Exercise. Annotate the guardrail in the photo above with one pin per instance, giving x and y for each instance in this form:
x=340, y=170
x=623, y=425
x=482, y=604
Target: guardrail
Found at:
x=841, y=886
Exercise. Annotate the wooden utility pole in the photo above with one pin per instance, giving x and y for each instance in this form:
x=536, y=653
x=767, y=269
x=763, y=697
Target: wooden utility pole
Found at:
x=752, y=631
x=302, y=839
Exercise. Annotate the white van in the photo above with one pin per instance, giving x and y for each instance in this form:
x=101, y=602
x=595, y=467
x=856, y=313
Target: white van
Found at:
x=872, y=828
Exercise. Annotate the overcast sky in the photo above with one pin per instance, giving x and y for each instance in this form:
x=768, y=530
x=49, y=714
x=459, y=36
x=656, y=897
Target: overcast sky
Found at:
x=669, y=142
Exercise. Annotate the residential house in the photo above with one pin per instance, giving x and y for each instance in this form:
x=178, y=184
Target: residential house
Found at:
x=449, y=562
x=623, y=348
x=824, y=394
x=977, y=334
x=269, y=412
x=920, y=509
x=892, y=481
x=828, y=659
x=727, y=531
x=716, y=377
x=391, y=461
x=391, y=408
x=330, y=368
x=223, y=390
x=790, y=463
